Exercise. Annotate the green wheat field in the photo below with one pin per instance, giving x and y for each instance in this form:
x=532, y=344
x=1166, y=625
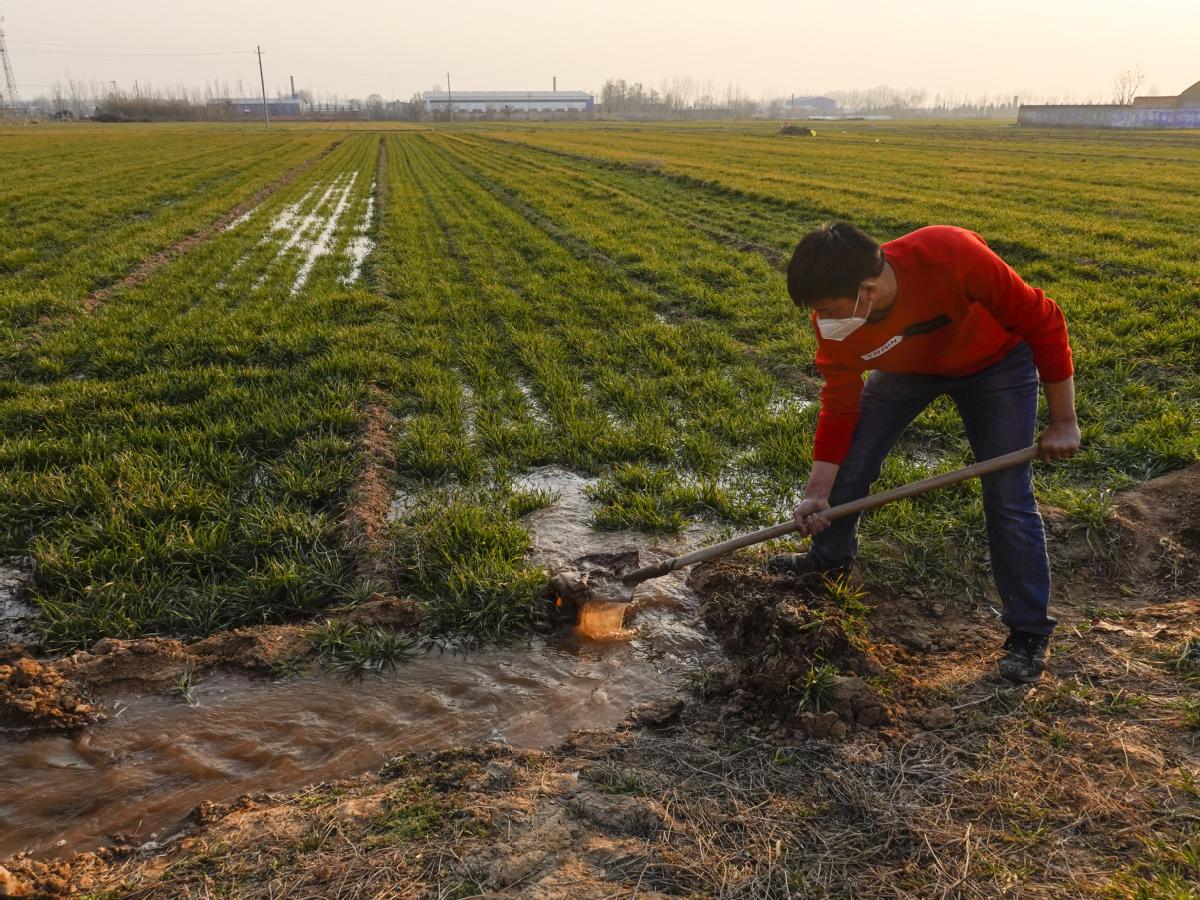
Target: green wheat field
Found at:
x=177, y=452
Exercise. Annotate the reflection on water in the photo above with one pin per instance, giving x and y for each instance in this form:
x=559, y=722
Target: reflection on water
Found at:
x=156, y=757
x=603, y=621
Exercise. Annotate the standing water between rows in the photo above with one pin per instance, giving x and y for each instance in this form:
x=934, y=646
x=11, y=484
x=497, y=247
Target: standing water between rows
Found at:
x=140, y=772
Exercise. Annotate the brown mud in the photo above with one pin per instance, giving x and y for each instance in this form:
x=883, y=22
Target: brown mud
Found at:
x=1066, y=788
x=917, y=769
x=57, y=695
x=370, y=498
x=38, y=694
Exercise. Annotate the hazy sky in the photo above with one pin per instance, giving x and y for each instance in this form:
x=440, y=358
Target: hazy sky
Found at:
x=1042, y=48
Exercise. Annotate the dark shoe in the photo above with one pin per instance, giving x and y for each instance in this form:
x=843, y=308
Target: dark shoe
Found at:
x=799, y=565
x=1025, y=657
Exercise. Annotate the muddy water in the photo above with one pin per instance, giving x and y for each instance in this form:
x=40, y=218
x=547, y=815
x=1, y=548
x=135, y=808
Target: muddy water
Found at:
x=17, y=617
x=144, y=769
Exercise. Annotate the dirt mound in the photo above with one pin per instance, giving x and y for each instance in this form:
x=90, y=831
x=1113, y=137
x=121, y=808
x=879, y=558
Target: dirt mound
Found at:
x=821, y=656
x=800, y=653
x=157, y=663
x=22, y=876
x=34, y=693
x=1149, y=543
x=386, y=610
x=1160, y=526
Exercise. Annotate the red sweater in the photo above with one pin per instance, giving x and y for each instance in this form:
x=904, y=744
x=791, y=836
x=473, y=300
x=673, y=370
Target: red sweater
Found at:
x=960, y=308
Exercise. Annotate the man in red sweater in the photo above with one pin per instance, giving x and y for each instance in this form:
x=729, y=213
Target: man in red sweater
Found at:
x=934, y=312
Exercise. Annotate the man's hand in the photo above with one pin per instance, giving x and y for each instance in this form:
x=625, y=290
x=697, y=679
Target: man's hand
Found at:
x=1061, y=437
x=1059, y=440
x=807, y=520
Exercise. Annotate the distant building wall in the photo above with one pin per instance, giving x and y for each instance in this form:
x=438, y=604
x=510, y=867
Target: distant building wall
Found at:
x=1106, y=116
x=250, y=107
x=510, y=102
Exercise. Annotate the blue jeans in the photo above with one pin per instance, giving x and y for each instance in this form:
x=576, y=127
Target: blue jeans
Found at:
x=999, y=410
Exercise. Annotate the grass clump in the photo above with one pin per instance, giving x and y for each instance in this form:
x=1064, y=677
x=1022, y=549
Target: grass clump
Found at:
x=358, y=648
x=523, y=502
x=1189, y=707
x=1186, y=661
x=1087, y=510
x=657, y=500
x=816, y=688
x=466, y=559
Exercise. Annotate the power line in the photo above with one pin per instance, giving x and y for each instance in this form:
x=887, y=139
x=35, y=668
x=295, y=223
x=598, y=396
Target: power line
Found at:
x=213, y=48
x=124, y=55
x=321, y=64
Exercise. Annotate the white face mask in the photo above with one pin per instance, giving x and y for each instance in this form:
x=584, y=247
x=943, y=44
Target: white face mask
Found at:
x=840, y=329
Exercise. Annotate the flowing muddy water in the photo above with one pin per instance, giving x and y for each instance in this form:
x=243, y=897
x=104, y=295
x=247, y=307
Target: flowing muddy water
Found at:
x=142, y=771
x=17, y=617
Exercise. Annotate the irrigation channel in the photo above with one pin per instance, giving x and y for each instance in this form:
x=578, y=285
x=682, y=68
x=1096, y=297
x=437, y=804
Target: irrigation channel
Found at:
x=139, y=773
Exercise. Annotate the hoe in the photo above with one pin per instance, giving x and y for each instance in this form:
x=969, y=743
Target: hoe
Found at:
x=613, y=577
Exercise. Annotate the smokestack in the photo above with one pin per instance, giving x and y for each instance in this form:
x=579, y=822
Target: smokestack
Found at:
x=292, y=78
x=555, y=82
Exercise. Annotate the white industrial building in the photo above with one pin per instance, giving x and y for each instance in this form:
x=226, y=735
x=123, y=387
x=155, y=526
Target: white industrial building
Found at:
x=513, y=103
x=252, y=107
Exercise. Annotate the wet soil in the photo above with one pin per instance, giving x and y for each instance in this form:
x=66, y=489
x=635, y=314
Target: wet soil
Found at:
x=38, y=694
x=925, y=771
x=1059, y=789
x=18, y=618
x=184, y=724
x=370, y=498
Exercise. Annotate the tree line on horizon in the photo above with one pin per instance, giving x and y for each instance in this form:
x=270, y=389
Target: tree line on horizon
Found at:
x=675, y=98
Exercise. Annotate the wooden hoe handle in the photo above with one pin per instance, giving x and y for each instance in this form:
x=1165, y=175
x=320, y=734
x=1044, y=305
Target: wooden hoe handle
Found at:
x=871, y=501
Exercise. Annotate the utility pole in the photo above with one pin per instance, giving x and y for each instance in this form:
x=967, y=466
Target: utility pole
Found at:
x=292, y=78
x=528, y=106
x=555, y=83
x=449, y=99
x=263, y=83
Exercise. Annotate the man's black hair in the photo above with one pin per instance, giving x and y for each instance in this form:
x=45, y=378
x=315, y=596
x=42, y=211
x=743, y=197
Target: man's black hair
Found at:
x=830, y=262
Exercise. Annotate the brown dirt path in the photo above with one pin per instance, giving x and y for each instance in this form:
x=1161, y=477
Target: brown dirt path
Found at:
x=370, y=498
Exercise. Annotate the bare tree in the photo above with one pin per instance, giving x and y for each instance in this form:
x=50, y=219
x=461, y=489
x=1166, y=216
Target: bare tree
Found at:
x=1126, y=84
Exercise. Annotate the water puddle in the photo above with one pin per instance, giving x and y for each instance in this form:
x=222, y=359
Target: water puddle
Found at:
x=155, y=758
x=537, y=412
x=304, y=232
x=17, y=616
x=361, y=245
x=240, y=220
x=781, y=405
x=313, y=248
